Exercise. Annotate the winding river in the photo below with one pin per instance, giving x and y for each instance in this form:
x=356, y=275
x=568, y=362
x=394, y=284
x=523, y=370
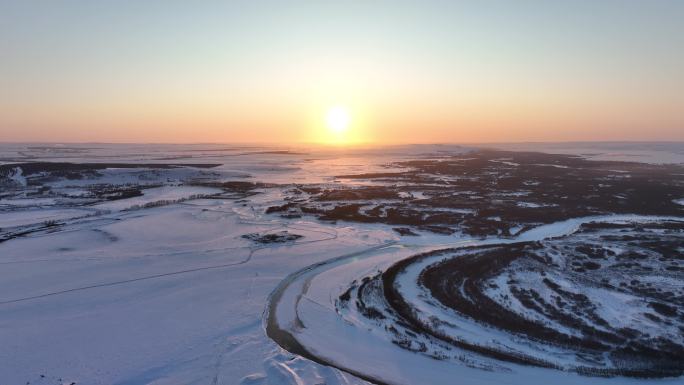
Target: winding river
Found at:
x=284, y=324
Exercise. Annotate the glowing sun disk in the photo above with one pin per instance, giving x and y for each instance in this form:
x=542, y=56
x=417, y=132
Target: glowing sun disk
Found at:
x=338, y=119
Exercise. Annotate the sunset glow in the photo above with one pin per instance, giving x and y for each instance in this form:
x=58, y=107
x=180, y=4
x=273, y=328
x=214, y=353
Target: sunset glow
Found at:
x=436, y=72
x=338, y=119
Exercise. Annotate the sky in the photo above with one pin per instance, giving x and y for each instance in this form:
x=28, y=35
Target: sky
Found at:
x=404, y=71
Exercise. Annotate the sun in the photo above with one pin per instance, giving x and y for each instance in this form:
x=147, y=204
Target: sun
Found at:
x=338, y=119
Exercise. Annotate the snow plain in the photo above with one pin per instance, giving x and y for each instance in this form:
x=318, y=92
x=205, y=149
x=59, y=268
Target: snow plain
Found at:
x=171, y=295
x=159, y=295
x=174, y=295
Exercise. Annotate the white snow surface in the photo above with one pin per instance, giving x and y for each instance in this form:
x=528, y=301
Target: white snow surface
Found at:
x=157, y=194
x=175, y=295
x=18, y=177
x=357, y=344
x=164, y=295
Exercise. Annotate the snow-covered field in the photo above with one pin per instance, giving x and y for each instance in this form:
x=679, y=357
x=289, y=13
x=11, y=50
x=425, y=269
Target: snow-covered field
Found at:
x=168, y=294
x=654, y=152
x=171, y=194
x=142, y=275
x=309, y=309
x=171, y=296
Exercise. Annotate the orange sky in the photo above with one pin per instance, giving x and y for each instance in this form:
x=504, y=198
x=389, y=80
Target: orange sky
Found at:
x=170, y=71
